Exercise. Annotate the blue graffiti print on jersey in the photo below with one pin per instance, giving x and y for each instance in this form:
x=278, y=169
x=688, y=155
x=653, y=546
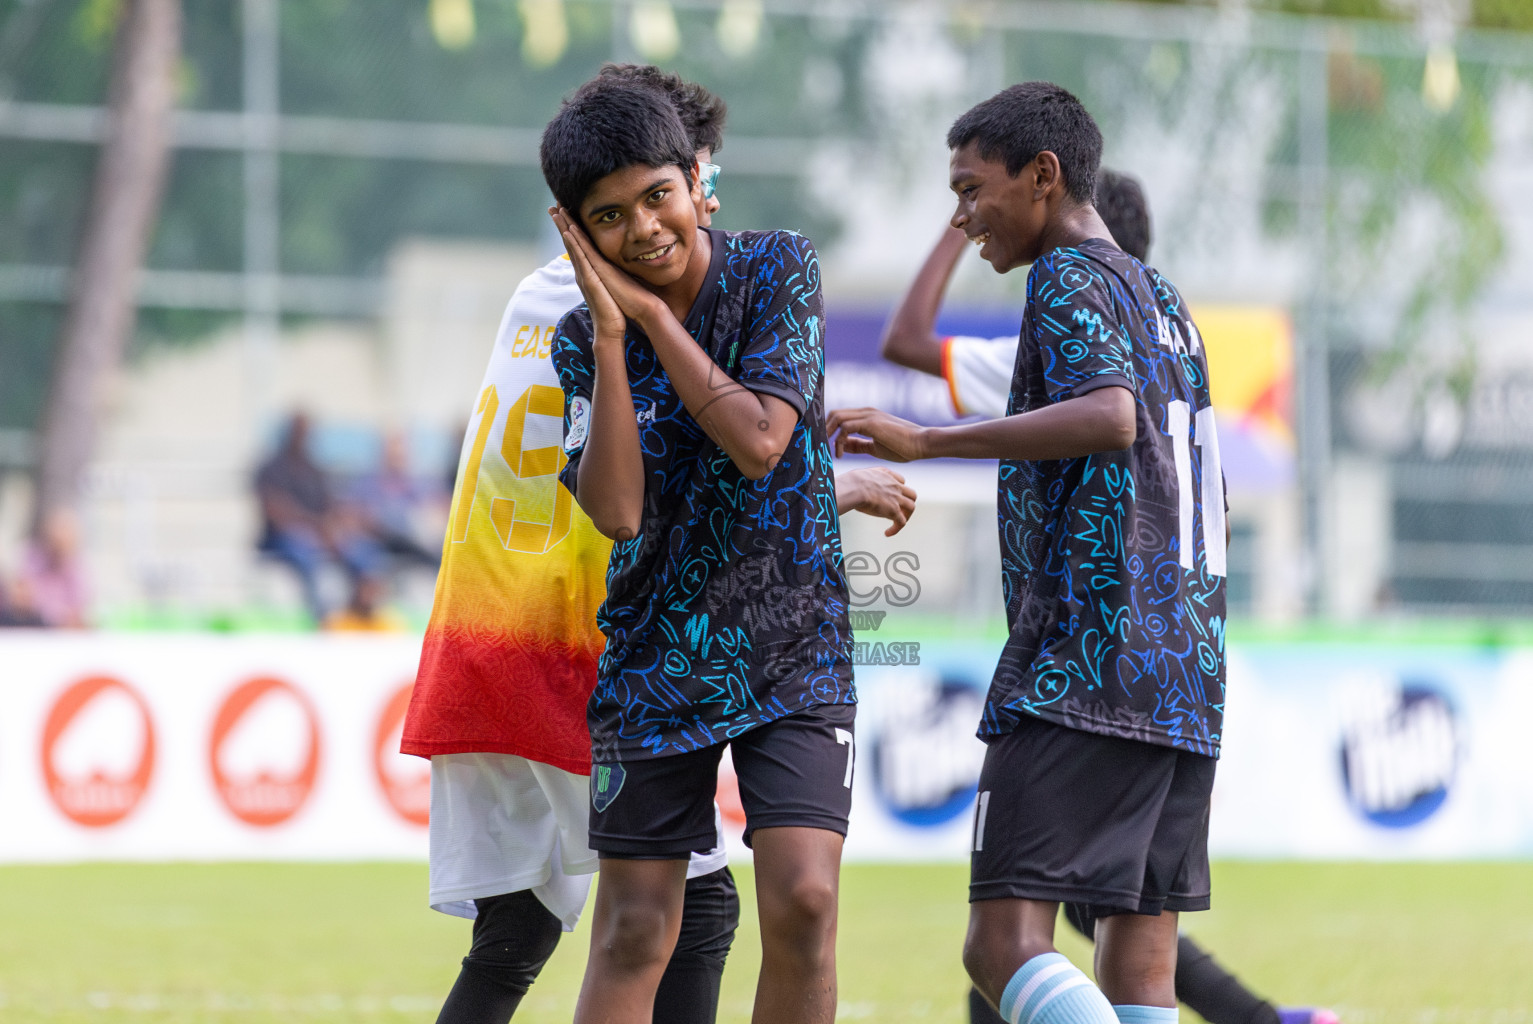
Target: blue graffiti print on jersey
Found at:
x=1113, y=565
x=729, y=609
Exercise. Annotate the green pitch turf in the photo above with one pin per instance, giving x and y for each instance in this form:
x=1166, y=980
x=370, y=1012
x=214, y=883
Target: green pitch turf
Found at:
x=1384, y=944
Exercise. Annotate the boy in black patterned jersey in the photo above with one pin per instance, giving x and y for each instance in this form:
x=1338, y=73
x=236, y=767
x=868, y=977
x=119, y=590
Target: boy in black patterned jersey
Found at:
x=1105, y=714
x=978, y=372
x=695, y=438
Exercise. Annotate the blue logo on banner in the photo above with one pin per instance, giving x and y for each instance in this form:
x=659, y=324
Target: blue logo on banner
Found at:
x=1398, y=759
x=926, y=759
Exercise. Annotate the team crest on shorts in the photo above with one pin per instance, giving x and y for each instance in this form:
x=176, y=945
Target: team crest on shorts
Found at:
x=606, y=783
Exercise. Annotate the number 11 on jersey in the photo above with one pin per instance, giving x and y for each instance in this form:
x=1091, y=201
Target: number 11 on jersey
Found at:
x=1181, y=425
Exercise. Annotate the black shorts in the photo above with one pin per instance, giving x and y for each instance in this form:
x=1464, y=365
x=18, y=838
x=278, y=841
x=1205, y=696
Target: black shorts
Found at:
x=1070, y=816
x=794, y=772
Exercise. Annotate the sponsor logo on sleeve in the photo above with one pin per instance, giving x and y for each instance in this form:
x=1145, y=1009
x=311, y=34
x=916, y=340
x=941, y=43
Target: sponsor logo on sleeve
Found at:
x=580, y=424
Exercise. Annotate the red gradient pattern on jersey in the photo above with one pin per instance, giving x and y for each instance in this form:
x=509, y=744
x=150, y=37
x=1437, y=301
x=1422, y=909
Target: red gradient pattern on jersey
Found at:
x=487, y=692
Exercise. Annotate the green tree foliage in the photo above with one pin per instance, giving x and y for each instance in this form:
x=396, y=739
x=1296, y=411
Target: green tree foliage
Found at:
x=1391, y=157
x=27, y=330
x=1513, y=14
x=378, y=59
x=370, y=59
x=1378, y=10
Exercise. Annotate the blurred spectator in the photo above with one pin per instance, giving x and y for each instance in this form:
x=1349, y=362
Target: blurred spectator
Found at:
x=388, y=504
x=302, y=524
x=366, y=612
x=50, y=581
x=16, y=606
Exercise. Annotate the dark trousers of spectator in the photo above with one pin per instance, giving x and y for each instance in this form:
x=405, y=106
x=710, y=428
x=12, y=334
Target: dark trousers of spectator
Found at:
x=408, y=550
x=306, y=554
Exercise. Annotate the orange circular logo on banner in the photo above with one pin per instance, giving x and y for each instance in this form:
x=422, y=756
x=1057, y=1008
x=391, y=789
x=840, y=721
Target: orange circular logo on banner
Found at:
x=264, y=751
x=98, y=751
x=406, y=780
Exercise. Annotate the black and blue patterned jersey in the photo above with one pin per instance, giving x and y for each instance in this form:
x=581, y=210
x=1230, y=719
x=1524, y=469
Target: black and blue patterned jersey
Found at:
x=1113, y=565
x=729, y=609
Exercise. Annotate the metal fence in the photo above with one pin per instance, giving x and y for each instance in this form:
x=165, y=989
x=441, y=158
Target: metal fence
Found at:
x=1375, y=183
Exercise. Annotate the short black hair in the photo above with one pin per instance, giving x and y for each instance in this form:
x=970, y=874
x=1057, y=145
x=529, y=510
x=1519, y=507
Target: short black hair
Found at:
x=606, y=125
x=702, y=113
x=1120, y=201
x=1018, y=123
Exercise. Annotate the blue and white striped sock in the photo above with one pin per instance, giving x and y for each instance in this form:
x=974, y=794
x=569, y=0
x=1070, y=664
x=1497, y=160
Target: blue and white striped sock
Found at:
x=1146, y=1014
x=1049, y=989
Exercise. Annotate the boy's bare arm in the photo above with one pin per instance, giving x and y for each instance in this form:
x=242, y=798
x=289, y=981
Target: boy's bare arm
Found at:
x=1103, y=420
x=753, y=429
x=910, y=337
x=610, y=481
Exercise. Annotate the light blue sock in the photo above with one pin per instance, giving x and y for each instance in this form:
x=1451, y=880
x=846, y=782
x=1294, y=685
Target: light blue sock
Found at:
x=1049, y=989
x=1146, y=1014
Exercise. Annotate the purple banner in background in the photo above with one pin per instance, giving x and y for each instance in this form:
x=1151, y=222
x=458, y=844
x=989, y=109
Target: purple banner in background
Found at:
x=855, y=375
x=1255, y=460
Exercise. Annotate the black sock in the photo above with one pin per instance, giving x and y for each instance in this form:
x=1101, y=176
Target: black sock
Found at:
x=689, y=989
x=477, y=998
x=688, y=993
x=981, y=1012
x=1214, y=992
x=514, y=935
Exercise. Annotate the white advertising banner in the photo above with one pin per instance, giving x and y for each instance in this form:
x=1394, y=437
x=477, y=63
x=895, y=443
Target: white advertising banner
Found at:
x=152, y=747
x=1331, y=751
x=1374, y=752
x=205, y=747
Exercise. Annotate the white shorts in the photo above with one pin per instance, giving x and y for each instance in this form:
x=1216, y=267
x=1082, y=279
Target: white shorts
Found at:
x=501, y=823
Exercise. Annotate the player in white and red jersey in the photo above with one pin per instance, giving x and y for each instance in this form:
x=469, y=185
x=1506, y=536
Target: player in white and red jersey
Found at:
x=509, y=662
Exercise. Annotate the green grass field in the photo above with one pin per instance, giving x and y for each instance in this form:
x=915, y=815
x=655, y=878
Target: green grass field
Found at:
x=1384, y=944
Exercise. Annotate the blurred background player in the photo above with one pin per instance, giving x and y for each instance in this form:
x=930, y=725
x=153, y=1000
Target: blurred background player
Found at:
x=510, y=660
x=979, y=372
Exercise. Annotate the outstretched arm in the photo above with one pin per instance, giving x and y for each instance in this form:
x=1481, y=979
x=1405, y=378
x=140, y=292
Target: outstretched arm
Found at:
x=753, y=429
x=1102, y=420
x=910, y=337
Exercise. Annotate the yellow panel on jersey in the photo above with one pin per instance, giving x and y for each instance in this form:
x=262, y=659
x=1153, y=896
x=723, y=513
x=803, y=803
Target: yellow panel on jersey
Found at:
x=510, y=654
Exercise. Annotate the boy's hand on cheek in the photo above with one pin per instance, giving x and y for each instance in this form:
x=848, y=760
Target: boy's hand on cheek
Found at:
x=634, y=300
x=607, y=317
